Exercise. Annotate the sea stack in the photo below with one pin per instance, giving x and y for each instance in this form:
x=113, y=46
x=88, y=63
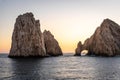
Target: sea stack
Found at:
x=105, y=41
x=78, y=49
x=27, y=38
x=51, y=45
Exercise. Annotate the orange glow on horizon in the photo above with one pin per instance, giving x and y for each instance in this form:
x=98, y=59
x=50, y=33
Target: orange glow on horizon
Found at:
x=69, y=23
x=5, y=47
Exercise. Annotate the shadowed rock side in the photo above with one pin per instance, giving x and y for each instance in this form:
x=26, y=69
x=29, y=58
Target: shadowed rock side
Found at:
x=105, y=41
x=28, y=40
x=51, y=45
x=78, y=49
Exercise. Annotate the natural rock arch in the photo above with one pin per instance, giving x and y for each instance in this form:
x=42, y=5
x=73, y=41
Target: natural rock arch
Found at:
x=105, y=41
x=84, y=52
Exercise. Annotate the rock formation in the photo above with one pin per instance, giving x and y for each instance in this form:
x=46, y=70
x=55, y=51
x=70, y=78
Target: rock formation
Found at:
x=51, y=45
x=27, y=38
x=105, y=41
x=78, y=49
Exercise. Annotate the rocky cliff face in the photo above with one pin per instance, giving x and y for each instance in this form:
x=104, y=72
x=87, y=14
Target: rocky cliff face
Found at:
x=28, y=40
x=78, y=49
x=51, y=45
x=105, y=41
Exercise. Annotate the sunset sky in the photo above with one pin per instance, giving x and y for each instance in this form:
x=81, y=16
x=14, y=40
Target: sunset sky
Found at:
x=69, y=21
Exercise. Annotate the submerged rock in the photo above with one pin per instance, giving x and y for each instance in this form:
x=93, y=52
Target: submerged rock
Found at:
x=51, y=45
x=105, y=41
x=78, y=49
x=28, y=40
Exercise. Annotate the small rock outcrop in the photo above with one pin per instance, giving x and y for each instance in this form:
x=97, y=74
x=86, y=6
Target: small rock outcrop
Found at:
x=28, y=40
x=105, y=41
x=51, y=45
x=78, y=49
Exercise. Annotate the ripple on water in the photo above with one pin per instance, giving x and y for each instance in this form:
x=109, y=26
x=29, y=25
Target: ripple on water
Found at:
x=66, y=67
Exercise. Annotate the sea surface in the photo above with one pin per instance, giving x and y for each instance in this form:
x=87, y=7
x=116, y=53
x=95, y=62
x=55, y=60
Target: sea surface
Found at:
x=66, y=67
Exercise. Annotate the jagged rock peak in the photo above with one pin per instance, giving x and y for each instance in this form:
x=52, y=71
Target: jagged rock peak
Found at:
x=51, y=44
x=107, y=20
x=27, y=39
x=48, y=33
x=28, y=14
x=108, y=23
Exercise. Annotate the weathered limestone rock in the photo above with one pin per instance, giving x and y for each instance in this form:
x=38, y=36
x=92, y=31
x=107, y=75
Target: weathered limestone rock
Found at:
x=51, y=45
x=27, y=39
x=105, y=41
x=78, y=49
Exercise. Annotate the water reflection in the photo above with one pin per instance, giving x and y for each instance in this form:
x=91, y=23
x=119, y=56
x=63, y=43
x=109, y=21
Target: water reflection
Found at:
x=106, y=68
x=63, y=67
x=26, y=69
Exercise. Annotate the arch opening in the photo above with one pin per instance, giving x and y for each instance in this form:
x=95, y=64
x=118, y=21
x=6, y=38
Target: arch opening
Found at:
x=84, y=52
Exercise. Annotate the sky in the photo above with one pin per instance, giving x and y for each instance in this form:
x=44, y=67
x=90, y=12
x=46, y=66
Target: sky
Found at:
x=70, y=21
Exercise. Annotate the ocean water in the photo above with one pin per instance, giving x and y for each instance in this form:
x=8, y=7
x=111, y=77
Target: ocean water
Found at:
x=66, y=67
